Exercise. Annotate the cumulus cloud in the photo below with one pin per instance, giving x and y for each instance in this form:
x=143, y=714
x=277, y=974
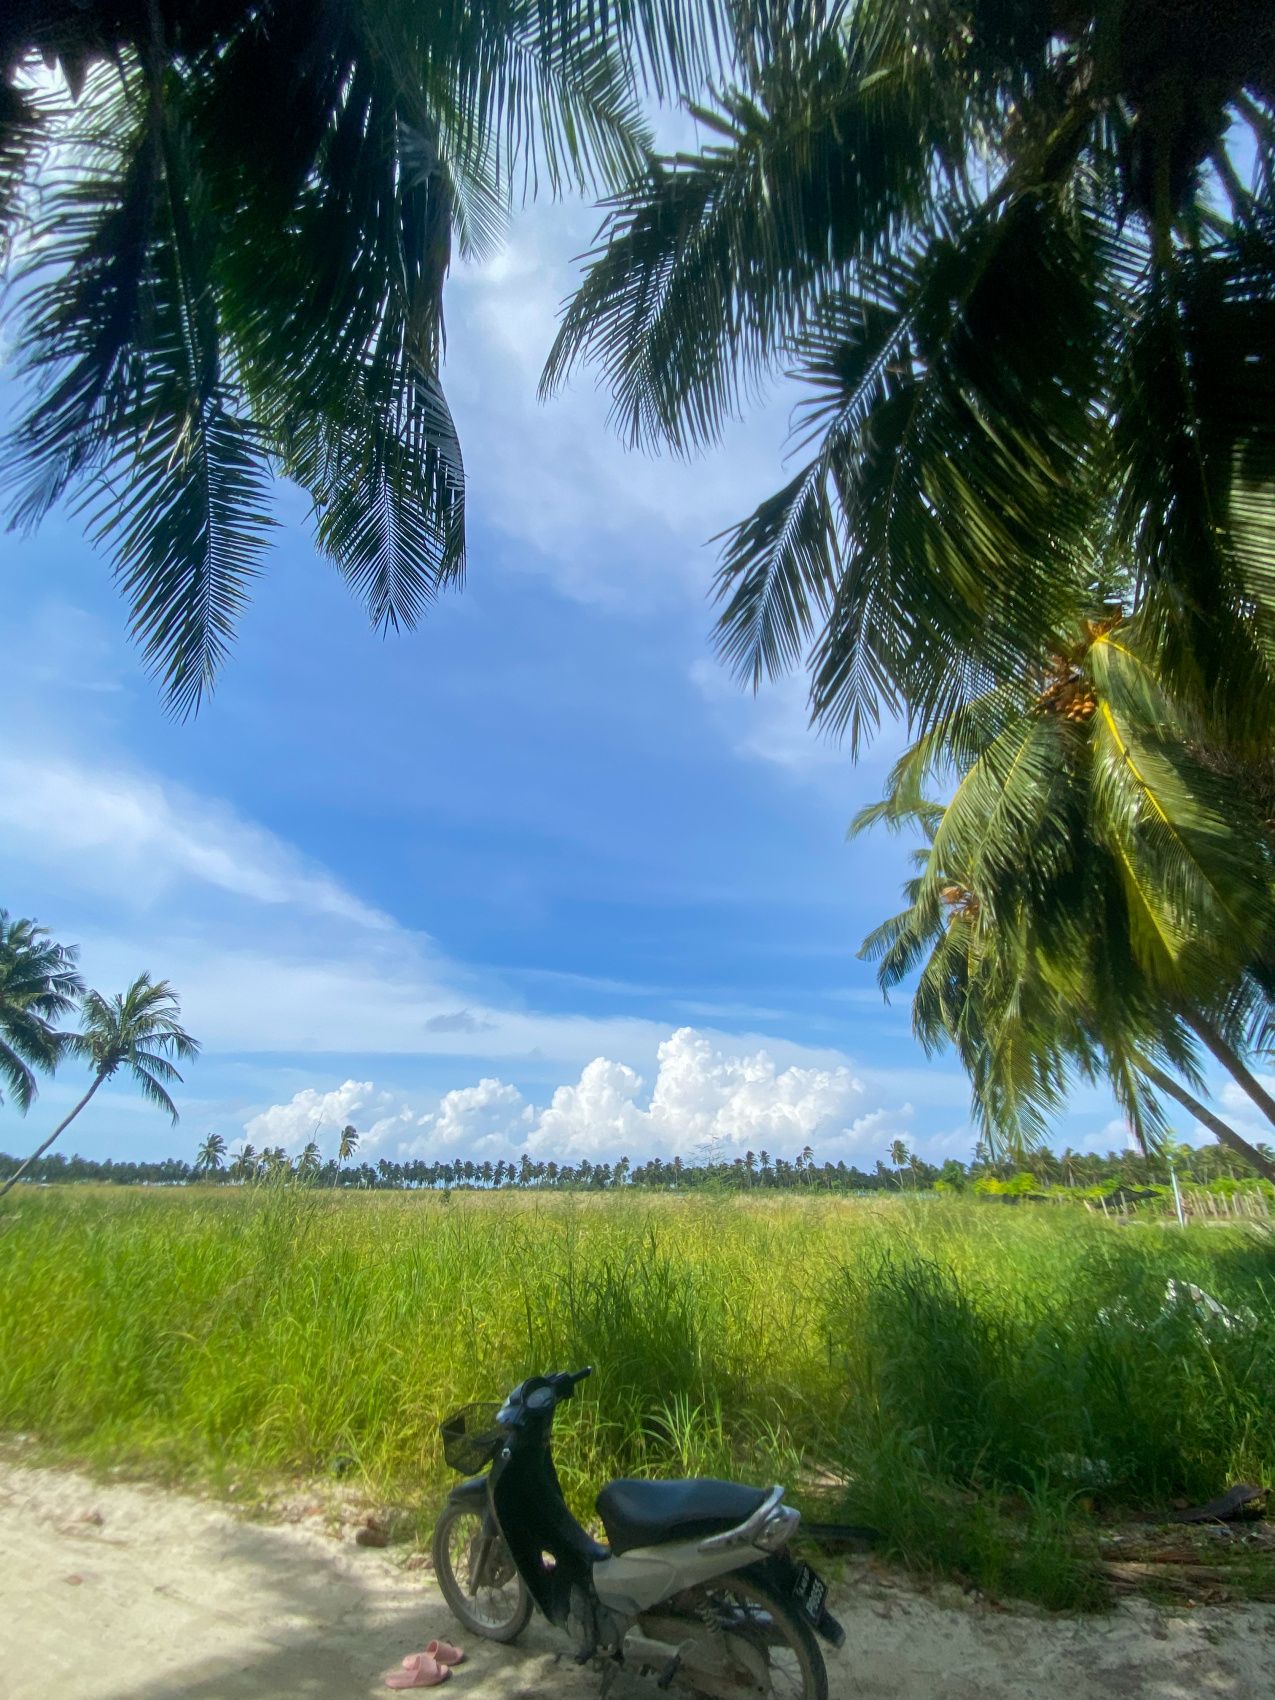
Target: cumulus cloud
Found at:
x=310, y=1114
x=474, y=1118
x=703, y=1095
x=598, y=1114
x=743, y=1100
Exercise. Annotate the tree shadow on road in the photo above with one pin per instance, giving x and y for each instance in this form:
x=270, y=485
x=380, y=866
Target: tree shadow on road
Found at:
x=300, y=1627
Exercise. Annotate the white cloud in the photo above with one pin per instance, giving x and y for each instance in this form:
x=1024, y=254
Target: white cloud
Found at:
x=598, y=1115
x=704, y=1095
x=348, y=998
x=459, y=1021
x=63, y=651
x=1240, y=1111
x=606, y=524
x=743, y=1100
x=311, y=1114
x=324, y=971
x=707, y=1093
x=1234, y=1097
x=772, y=725
x=470, y=1118
x=136, y=837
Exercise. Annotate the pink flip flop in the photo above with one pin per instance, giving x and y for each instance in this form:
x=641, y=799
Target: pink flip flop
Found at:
x=445, y=1653
x=419, y=1670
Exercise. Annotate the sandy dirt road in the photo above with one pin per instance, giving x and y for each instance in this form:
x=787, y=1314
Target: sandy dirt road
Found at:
x=127, y=1593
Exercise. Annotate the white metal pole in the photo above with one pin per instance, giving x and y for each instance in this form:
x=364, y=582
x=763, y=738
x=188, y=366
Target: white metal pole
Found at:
x=1177, y=1196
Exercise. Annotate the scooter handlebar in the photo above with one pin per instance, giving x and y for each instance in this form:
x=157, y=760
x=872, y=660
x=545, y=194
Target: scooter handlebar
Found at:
x=567, y=1380
x=542, y=1392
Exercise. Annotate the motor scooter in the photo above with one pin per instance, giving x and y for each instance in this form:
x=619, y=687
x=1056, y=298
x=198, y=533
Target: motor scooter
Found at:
x=695, y=1587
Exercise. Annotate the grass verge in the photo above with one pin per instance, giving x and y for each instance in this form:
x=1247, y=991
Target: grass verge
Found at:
x=985, y=1389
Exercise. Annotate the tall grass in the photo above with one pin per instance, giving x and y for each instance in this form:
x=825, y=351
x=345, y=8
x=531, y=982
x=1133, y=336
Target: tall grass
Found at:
x=976, y=1384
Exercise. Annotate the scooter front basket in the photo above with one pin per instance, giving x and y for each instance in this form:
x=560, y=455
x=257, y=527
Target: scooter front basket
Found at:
x=471, y=1437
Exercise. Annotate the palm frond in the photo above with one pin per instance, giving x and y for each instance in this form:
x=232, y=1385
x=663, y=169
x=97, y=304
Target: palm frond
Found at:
x=964, y=480
x=384, y=468
x=706, y=267
x=1194, y=433
x=155, y=1064
x=25, y=115
x=939, y=525
x=19, y=1078
x=39, y=985
x=547, y=93
x=84, y=282
x=1095, y=887
x=154, y=1092
x=137, y=397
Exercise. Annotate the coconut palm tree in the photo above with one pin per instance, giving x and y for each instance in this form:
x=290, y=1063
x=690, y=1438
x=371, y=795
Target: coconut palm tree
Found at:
x=244, y=1167
x=211, y=1155
x=309, y=1161
x=1022, y=259
x=899, y=1156
x=39, y=985
x=349, y=1144
x=138, y=1031
x=1096, y=899
x=233, y=264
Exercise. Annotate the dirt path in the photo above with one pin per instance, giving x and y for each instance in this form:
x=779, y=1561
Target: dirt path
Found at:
x=126, y=1593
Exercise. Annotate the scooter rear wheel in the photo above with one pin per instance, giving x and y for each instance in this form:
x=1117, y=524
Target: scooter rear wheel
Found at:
x=477, y=1574
x=745, y=1604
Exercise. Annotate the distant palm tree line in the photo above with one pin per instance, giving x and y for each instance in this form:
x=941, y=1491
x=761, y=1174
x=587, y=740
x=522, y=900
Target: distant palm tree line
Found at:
x=906, y=1171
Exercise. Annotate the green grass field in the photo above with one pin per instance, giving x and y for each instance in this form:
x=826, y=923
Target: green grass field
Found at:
x=982, y=1385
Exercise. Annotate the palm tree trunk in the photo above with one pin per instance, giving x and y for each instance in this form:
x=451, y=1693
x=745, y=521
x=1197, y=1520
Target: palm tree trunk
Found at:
x=1232, y=1063
x=1215, y=1124
x=60, y=1128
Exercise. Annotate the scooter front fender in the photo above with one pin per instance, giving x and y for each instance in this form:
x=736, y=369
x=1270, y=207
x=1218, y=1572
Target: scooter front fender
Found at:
x=473, y=1489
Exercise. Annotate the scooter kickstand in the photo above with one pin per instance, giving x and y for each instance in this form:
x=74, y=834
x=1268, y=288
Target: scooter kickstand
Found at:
x=665, y=1679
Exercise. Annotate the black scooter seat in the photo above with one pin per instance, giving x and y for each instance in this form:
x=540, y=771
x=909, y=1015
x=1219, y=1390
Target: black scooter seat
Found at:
x=642, y=1514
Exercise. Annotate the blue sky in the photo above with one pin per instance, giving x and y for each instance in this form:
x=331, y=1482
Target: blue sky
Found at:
x=537, y=875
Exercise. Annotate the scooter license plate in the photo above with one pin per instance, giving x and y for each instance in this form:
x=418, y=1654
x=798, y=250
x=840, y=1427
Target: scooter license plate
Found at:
x=810, y=1591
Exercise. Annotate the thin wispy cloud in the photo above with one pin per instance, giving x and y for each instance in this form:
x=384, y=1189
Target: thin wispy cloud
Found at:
x=137, y=837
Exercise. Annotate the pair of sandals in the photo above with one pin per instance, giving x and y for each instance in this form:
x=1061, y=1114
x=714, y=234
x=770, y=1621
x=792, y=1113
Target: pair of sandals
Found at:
x=427, y=1669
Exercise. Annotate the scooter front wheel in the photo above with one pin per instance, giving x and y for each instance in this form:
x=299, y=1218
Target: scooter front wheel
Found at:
x=477, y=1574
